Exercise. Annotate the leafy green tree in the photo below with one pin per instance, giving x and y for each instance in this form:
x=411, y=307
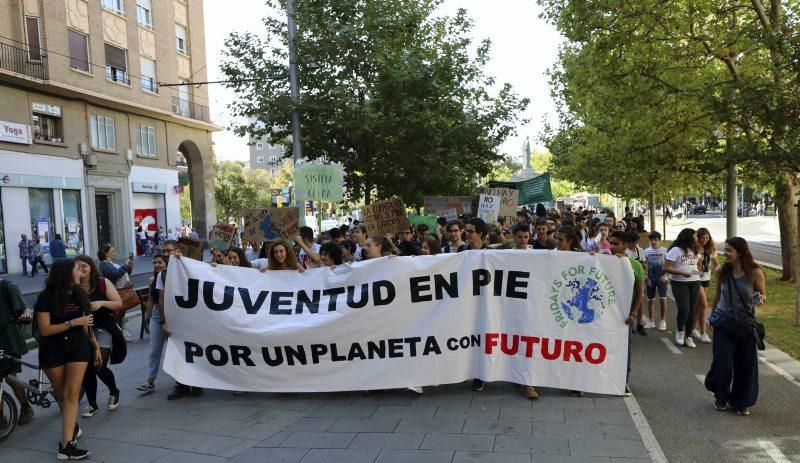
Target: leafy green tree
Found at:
x=395, y=94
x=233, y=193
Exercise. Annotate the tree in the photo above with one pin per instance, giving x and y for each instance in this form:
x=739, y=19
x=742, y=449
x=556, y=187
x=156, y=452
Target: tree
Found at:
x=397, y=96
x=233, y=193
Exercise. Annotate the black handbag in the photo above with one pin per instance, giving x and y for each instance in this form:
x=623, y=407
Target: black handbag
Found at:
x=742, y=322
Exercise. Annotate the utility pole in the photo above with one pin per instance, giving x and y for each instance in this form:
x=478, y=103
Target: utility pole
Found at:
x=732, y=198
x=297, y=151
x=797, y=276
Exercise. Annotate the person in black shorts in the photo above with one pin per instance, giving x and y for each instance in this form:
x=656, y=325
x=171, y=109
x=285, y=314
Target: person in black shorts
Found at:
x=65, y=346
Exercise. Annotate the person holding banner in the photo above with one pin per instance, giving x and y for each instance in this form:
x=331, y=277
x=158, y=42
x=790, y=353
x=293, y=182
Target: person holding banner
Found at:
x=431, y=246
x=476, y=231
x=308, y=248
x=542, y=240
x=281, y=256
x=567, y=239
x=330, y=254
x=237, y=258
x=359, y=235
x=453, y=236
x=619, y=246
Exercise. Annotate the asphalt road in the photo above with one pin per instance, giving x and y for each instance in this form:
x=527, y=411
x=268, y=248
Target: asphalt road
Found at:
x=680, y=411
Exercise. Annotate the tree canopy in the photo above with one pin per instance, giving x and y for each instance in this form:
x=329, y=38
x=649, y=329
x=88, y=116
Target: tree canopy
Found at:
x=394, y=93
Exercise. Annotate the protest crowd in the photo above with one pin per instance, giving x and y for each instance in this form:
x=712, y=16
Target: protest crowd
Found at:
x=77, y=314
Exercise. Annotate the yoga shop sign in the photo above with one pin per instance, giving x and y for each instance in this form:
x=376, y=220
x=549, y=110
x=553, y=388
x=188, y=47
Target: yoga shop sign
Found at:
x=544, y=318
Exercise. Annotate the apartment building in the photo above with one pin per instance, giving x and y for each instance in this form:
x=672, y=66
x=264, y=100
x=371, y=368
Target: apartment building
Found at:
x=264, y=155
x=91, y=143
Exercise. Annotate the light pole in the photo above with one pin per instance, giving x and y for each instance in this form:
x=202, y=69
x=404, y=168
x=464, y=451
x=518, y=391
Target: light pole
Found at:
x=297, y=151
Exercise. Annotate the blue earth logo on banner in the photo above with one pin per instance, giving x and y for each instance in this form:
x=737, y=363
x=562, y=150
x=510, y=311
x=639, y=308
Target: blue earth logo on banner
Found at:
x=580, y=296
x=579, y=306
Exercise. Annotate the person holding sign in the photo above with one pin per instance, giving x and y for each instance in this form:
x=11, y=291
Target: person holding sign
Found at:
x=619, y=245
x=476, y=231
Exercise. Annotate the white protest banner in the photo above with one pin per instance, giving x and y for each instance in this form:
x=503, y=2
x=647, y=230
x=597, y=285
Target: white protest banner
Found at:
x=545, y=318
x=488, y=208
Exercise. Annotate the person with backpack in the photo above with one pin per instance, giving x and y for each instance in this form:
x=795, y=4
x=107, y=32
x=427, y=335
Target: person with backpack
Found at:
x=741, y=285
x=63, y=319
x=105, y=301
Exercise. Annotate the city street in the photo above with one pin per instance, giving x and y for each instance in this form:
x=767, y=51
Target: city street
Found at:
x=669, y=418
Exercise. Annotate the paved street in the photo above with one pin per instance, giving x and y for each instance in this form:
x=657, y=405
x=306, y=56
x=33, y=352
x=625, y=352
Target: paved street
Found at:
x=447, y=424
x=670, y=411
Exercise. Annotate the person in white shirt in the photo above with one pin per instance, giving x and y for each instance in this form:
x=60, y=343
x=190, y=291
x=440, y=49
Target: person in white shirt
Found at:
x=682, y=264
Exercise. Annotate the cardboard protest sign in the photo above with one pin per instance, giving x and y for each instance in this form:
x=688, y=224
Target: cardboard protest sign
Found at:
x=221, y=236
x=191, y=247
x=449, y=214
x=270, y=224
x=438, y=204
x=488, y=208
x=508, y=201
x=319, y=182
x=386, y=217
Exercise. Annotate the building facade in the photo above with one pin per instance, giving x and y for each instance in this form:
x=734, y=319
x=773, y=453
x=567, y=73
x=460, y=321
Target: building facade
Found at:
x=91, y=145
x=264, y=155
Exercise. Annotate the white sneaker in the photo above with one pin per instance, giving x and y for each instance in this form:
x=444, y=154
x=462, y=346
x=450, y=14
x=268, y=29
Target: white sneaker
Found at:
x=662, y=325
x=416, y=389
x=696, y=334
x=704, y=338
x=679, y=338
x=649, y=325
x=690, y=343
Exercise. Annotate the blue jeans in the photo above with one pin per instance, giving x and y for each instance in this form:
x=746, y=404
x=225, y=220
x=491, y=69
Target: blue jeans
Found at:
x=733, y=376
x=24, y=266
x=157, y=341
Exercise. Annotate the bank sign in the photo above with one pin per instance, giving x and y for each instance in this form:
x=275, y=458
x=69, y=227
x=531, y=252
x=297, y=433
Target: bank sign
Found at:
x=11, y=132
x=139, y=187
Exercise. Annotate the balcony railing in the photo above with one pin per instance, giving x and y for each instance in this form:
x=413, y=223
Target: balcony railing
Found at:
x=18, y=60
x=189, y=109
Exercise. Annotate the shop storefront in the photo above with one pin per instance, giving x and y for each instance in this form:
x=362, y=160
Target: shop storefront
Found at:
x=39, y=206
x=153, y=200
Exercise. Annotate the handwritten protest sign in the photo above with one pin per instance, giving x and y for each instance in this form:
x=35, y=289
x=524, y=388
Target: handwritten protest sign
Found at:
x=319, y=182
x=191, y=247
x=489, y=208
x=386, y=217
x=508, y=201
x=270, y=224
x=221, y=236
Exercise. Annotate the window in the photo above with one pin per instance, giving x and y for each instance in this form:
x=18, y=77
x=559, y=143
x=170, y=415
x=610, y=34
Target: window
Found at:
x=259, y=147
x=180, y=39
x=144, y=13
x=47, y=125
x=34, y=38
x=40, y=202
x=146, y=140
x=103, y=134
x=148, y=74
x=272, y=146
x=78, y=50
x=114, y=5
x=260, y=159
x=116, y=64
x=73, y=222
x=273, y=159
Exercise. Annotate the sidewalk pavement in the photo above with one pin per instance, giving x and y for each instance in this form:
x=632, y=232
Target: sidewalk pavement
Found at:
x=33, y=285
x=447, y=423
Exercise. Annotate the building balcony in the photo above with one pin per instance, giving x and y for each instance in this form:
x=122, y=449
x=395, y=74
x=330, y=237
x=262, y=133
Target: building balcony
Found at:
x=18, y=60
x=191, y=110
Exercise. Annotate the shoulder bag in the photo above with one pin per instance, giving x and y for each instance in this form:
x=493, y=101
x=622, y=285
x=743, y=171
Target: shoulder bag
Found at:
x=742, y=322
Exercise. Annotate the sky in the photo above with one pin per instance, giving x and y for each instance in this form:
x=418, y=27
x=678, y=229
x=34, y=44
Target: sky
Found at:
x=523, y=48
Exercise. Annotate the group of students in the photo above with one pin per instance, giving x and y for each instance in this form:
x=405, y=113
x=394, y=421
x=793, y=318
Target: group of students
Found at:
x=75, y=313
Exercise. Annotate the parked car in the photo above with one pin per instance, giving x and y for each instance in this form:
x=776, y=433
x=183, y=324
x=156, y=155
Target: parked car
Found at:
x=699, y=209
